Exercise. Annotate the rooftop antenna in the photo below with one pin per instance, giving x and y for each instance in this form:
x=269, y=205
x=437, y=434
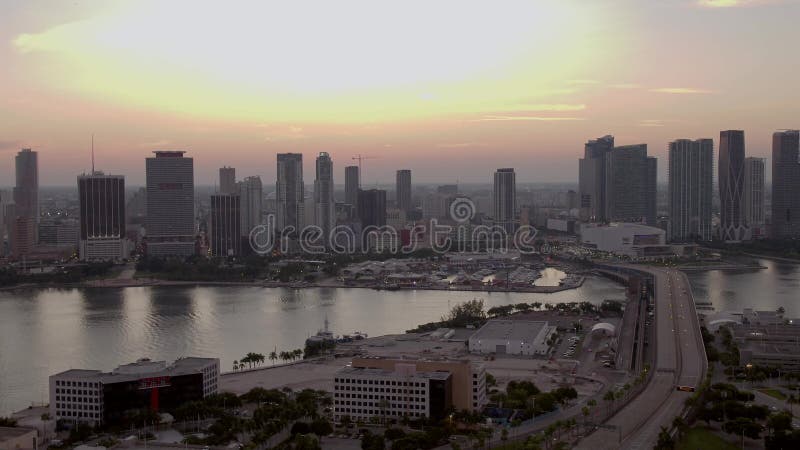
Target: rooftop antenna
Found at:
x=92, y=153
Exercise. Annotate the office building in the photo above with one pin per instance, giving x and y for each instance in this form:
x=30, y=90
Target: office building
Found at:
x=512, y=337
x=225, y=225
x=351, y=185
x=505, y=199
x=22, y=234
x=386, y=388
x=59, y=232
x=251, y=204
x=592, y=178
x=733, y=226
x=26, y=190
x=170, y=225
x=754, y=193
x=630, y=239
x=691, y=171
x=630, y=185
x=324, y=202
x=227, y=180
x=372, y=207
x=290, y=193
x=404, y=190
x=102, y=217
x=107, y=398
x=786, y=184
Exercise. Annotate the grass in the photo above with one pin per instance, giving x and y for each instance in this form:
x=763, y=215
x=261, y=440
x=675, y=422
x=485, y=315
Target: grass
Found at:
x=774, y=393
x=703, y=438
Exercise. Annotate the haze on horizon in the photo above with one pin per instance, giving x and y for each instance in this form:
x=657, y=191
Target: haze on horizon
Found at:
x=450, y=89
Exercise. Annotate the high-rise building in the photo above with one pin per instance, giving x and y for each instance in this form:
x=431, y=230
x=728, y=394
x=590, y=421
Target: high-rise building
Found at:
x=290, y=192
x=102, y=217
x=630, y=185
x=251, y=195
x=592, y=179
x=225, y=226
x=351, y=185
x=691, y=170
x=227, y=180
x=170, y=204
x=22, y=234
x=26, y=191
x=505, y=198
x=731, y=186
x=786, y=184
x=5, y=200
x=372, y=207
x=324, y=202
x=404, y=190
x=754, y=193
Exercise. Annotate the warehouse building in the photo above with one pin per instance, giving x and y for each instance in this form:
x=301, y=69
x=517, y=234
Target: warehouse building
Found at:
x=512, y=337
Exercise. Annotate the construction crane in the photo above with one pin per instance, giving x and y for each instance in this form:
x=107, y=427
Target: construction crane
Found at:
x=358, y=158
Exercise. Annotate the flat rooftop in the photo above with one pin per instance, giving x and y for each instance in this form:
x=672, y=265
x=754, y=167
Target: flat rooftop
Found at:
x=139, y=369
x=14, y=432
x=511, y=330
x=392, y=373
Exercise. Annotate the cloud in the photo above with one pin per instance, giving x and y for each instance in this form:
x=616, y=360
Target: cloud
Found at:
x=462, y=145
x=551, y=107
x=625, y=86
x=582, y=82
x=732, y=3
x=525, y=118
x=651, y=123
x=681, y=90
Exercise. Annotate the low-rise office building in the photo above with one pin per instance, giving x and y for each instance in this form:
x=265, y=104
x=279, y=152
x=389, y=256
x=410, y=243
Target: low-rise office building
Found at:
x=512, y=337
x=631, y=239
x=427, y=388
x=95, y=397
x=18, y=438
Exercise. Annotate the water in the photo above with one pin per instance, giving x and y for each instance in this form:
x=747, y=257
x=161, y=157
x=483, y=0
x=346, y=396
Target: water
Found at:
x=768, y=289
x=49, y=330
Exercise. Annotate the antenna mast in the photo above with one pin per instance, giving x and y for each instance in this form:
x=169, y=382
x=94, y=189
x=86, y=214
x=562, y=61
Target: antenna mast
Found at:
x=92, y=153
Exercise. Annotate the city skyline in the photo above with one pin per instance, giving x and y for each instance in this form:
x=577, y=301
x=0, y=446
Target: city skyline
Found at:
x=502, y=98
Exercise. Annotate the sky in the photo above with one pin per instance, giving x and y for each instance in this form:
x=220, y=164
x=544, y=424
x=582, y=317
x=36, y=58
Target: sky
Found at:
x=451, y=89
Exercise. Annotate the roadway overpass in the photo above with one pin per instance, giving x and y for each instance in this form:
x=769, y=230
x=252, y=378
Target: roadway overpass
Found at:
x=680, y=360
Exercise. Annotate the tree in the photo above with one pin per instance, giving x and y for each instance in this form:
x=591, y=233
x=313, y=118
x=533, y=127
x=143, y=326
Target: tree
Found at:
x=743, y=425
x=665, y=441
x=273, y=356
x=679, y=425
x=321, y=427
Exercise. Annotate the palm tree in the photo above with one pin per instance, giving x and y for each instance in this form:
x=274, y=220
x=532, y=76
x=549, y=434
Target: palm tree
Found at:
x=299, y=353
x=609, y=397
x=235, y=365
x=679, y=425
x=273, y=356
x=791, y=400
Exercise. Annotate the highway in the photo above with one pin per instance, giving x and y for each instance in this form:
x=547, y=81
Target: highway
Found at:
x=680, y=361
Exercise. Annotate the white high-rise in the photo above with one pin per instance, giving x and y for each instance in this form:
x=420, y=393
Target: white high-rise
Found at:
x=251, y=192
x=324, y=203
x=691, y=170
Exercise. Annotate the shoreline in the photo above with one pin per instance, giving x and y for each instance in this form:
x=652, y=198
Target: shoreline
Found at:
x=153, y=282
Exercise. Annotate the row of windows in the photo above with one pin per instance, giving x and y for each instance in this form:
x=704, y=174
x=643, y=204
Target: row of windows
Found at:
x=370, y=396
x=375, y=412
x=379, y=382
x=78, y=383
x=93, y=415
x=77, y=399
x=409, y=404
x=78, y=407
x=387, y=390
x=77, y=391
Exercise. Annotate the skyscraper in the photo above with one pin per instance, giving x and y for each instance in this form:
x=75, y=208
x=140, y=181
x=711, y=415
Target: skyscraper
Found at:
x=404, y=190
x=592, y=178
x=170, y=229
x=731, y=186
x=26, y=191
x=505, y=198
x=251, y=204
x=324, y=202
x=691, y=170
x=351, y=185
x=786, y=184
x=372, y=207
x=754, y=191
x=630, y=185
x=227, y=180
x=225, y=225
x=290, y=192
x=102, y=217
